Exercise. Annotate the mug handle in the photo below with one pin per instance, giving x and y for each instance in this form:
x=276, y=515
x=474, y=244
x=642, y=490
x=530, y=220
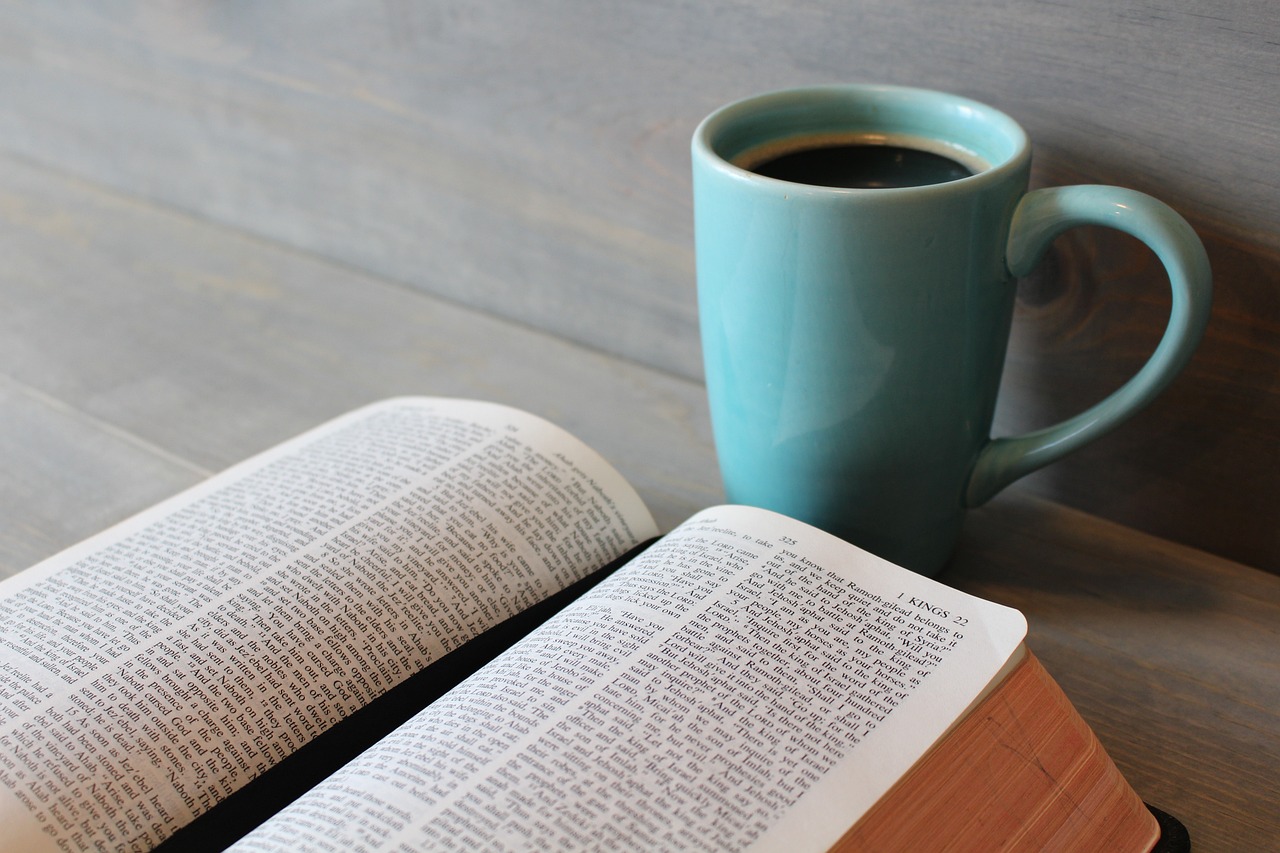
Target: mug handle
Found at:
x=1041, y=216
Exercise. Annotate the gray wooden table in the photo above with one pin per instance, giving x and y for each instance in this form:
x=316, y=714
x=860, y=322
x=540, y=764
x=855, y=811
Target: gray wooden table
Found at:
x=144, y=349
x=221, y=224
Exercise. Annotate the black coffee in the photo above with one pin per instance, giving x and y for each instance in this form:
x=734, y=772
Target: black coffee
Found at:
x=863, y=167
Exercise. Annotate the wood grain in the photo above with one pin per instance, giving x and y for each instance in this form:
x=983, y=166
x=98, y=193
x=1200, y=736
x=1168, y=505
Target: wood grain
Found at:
x=204, y=345
x=141, y=347
x=529, y=160
x=1200, y=465
x=67, y=476
x=530, y=157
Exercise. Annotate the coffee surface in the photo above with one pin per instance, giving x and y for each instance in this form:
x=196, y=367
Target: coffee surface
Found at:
x=858, y=166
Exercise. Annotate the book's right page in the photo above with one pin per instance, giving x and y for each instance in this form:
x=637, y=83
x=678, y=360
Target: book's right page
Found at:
x=748, y=681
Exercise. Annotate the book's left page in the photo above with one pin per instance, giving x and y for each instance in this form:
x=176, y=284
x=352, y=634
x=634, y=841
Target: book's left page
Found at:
x=152, y=670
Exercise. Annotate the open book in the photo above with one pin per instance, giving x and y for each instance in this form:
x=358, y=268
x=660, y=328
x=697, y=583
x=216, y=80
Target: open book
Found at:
x=746, y=682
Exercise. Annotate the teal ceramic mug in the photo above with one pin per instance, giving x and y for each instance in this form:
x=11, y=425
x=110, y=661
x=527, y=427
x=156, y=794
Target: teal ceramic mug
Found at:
x=854, y=338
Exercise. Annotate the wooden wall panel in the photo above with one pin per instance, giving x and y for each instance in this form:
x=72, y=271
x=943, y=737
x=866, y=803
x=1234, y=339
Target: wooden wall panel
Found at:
x=530, y=159
x=1201, y=465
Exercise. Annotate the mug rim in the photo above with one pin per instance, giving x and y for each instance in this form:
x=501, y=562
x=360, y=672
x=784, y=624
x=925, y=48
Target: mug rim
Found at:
x=803, y=104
